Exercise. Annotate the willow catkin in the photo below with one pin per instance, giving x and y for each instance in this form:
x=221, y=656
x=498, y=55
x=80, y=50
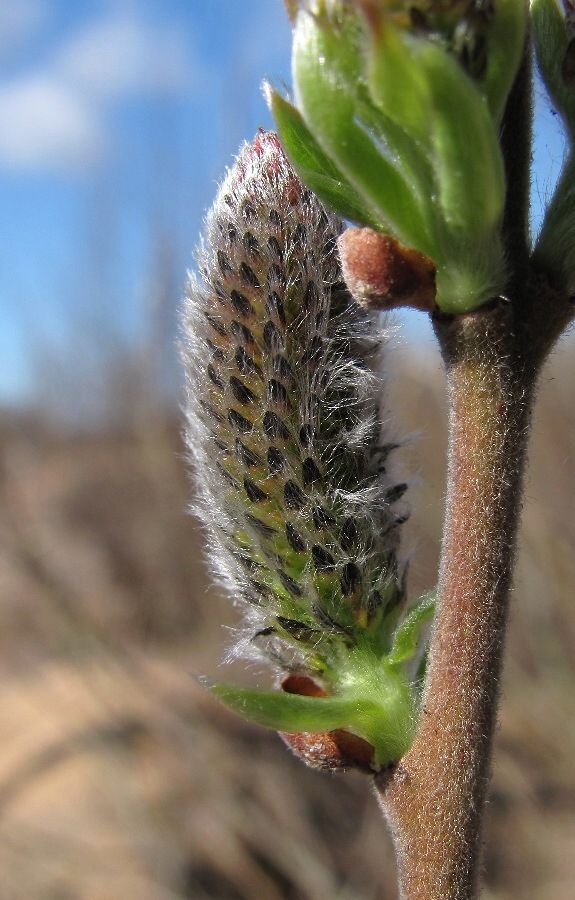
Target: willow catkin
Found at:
x=285, y=428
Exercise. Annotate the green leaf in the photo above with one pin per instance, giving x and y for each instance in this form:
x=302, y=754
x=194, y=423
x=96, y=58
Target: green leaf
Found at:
x=291, y=712
x=314, y=167
x=324, y=69
x=408, y=634
x=381, y=713
x=399, y=87
x=468, y=162
x=506, y=46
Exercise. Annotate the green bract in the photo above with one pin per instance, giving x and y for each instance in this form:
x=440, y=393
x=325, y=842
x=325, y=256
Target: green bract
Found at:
x=393, y=132
x=375, y=698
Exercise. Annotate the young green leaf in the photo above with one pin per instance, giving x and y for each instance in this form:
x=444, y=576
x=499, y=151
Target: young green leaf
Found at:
x=314, y=167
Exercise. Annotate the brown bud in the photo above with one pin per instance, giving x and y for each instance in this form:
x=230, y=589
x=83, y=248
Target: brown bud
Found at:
x=382, y=274
x=298, y=683
x=335, y=750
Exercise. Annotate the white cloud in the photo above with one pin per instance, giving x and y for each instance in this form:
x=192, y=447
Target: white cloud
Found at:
x=45, y=125
x=122, y=54
x=57, y=116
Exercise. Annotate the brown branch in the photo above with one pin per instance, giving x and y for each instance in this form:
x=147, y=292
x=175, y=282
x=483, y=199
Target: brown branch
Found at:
x=434, y=799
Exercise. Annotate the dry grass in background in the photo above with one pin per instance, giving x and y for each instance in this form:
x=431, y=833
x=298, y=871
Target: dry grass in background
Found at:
x=121, y=779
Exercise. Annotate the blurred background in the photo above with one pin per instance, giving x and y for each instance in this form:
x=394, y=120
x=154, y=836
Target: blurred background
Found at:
x=119, y=777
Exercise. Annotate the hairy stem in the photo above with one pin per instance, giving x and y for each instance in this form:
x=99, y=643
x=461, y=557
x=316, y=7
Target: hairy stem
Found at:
x=434, y=800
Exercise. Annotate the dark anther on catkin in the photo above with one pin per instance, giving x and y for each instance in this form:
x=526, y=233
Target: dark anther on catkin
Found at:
x=350, y=579
x=224, y=264
x=242, y=393
x=248, y=276
x=384, y=450
x=212, y=412
x=248, y=210
x=218, y=354
x=273, y=338
x=262, y=527
x=255, y=493
x=276, y=461
x=294, y=497
x=281, y=367
x=300, y=235
x=264, y=632
x=322, y=518
x=275, y=247
x=313, y=351
x=215, y=378
x=277, y=393
x=306, y=435
x=298, y=630
x=395, y=493
x=327, y=621
x=295, y=540
x=242, y=334
x=275, y=218
x=291, y=586
x=250, y=243
x=276, y=276
x=238, y=422
x=310, y=298
x=274, y=428
x=275, y=307
x=250, y=565
x=227, y=477
x=241, y=305
x=246, y=364
x=247, y=456
x=217, y=326
x=322, y=558
x=349, y=534
x=219, y=291
x=262, y=590
x=310, y=472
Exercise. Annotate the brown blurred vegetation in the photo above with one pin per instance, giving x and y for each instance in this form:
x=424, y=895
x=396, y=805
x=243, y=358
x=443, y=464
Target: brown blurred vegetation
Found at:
x=120, y=778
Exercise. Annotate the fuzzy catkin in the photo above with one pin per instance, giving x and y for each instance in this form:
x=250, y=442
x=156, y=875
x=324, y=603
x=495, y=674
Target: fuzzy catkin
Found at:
x=284, y=426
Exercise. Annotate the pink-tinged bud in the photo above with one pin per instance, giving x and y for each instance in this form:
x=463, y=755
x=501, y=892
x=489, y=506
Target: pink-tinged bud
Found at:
x=284, y=421
x=301, y=509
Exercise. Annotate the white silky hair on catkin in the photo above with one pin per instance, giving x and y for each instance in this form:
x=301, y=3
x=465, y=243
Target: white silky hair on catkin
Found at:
x=283, y=420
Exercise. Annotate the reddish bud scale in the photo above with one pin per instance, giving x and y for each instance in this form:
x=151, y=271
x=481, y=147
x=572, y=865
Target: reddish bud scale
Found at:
x=382, y=274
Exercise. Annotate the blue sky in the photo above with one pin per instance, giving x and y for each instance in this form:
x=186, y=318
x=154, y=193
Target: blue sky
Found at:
x=117, y=119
